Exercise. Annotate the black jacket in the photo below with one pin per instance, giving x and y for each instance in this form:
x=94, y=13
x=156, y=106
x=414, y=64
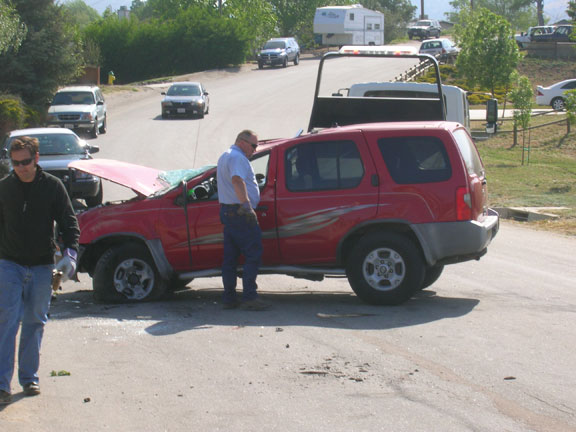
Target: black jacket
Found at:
x=27, y=222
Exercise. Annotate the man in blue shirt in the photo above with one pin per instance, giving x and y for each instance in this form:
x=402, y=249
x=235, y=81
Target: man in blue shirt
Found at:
x=239, y=195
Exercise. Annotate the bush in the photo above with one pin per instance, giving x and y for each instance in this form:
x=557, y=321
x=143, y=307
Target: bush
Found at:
x=12, y=114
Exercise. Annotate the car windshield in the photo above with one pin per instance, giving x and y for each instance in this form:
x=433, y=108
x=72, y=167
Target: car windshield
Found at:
x=73, y=98
x=58, y=144
x=184, y=90
x=275, y=45
x=174, y=178
x=423, y=24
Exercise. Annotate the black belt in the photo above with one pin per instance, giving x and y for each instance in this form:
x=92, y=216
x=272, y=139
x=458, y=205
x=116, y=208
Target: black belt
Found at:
x=230, y=205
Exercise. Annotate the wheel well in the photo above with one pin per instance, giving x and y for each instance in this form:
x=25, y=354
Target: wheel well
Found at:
x=346, y=246
x=94, y=251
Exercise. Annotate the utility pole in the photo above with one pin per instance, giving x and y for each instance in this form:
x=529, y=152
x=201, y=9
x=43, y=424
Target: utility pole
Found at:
x=422, y=16
x=471, y=4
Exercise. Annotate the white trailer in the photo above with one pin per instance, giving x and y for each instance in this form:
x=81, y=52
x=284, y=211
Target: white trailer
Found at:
x=349, y=25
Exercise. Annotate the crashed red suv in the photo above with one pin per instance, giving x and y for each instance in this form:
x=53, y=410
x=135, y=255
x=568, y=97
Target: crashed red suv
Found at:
x=386, y=204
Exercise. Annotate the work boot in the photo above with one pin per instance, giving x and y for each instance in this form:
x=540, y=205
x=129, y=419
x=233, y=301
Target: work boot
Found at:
x=31, y=389
x=5, y=397
x=255, y=305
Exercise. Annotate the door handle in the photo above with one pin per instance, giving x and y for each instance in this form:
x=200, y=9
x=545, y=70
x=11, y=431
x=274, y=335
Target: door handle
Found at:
x=261, y=208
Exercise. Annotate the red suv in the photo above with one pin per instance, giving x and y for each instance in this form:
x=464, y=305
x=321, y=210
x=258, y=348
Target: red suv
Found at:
x=385, y=204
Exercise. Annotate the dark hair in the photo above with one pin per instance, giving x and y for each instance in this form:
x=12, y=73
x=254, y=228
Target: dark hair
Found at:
x=25, y=143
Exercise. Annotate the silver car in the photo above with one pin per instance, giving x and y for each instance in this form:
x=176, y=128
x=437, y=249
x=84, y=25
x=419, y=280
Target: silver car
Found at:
x=185, y=99
x=59, y=147
x=443, y=49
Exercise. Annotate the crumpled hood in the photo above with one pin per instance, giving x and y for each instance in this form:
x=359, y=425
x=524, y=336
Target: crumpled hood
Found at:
x=142, y=180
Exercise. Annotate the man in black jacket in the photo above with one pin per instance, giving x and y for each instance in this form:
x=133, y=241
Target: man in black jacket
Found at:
x=31, y=201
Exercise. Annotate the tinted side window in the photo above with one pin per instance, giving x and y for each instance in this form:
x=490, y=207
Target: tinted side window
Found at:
x=415, y=159
x=323, y=166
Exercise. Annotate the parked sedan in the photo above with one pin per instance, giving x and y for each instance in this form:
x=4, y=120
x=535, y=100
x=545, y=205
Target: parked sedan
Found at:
x=443, y=49
x=59, y=147
x=185, y=99
x=554, y=95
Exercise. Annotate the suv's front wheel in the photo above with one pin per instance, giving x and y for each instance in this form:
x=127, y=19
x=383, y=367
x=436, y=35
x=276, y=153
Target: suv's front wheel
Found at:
x=296, y=59
x=127, y=272
x=385, y=269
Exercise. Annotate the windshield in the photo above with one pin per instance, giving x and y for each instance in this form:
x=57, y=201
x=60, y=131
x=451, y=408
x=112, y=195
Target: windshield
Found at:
x=174, y=178
x=184, y=90
x=58, y=144
x=423, y=24
x=275, y=45
x=73, y=98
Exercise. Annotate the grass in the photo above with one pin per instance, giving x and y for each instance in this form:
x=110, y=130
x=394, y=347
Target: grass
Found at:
x=539, y=171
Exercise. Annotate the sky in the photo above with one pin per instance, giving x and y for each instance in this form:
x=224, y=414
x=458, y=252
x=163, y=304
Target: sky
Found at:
x=435, y=9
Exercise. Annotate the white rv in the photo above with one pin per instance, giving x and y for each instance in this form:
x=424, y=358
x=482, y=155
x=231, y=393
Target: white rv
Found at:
x=349, y=25
x=455, y=99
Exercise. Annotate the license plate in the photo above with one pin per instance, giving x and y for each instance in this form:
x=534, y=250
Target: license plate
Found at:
x=181, y=110
x=69, y=126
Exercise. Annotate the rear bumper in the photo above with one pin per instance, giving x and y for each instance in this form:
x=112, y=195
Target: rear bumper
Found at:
x=453, y=242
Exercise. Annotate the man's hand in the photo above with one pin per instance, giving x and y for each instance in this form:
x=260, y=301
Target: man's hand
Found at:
x=67, y=265
x=248, y=212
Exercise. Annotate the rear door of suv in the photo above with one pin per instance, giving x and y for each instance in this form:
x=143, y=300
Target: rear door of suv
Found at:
x=326, y=185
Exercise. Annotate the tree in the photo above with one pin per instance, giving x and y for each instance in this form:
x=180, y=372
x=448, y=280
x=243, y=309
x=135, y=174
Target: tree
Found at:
x=522, y=97
x=571, y=11
x=520, y=13
x=12, y=30
x=80, y=13
x=50, y=54
x=489, y=53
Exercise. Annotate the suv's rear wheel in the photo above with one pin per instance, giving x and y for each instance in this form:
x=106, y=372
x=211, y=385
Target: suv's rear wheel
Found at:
x=432, y=275
x=385, y=269
x=127, y=273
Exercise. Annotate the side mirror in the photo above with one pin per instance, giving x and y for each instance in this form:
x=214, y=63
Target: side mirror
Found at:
x=163, y=93
x=93, y=149
x=100, y=103
x=491, y=116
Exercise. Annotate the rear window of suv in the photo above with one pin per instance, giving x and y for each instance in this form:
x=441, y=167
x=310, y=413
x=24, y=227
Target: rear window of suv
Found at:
x=469, y=153
x=412, y=160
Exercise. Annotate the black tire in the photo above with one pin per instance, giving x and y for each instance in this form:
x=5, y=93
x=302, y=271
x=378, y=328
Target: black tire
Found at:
x=410, y=36
x=557, y=104
x=103, y=128
x=127, y=273
x=260, y=65
x=297, y=60
x=95, y=200
x=385, y=269
x=164, y=116
x=285, y=62
x=94, y=131
x=432, y=274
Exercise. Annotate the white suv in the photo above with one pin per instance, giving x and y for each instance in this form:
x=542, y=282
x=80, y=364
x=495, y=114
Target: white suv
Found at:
x=79, y=108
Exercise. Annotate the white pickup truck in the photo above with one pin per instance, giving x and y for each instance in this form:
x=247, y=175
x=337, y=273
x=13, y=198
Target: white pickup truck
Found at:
x=524, y=38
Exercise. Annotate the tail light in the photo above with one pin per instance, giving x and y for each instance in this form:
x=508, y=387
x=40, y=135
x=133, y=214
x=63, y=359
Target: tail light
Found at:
x=539, y=93
x=463, y=204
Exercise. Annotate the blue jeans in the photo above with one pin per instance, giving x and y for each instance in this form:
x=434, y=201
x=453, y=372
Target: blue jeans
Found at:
x=25, y=293
x=242, y=236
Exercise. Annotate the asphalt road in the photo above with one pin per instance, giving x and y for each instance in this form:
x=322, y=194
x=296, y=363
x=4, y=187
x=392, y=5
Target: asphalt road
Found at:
x=489, y=347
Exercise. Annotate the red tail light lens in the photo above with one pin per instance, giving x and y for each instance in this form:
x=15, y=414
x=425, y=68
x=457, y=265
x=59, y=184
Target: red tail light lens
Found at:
x=463, y=204
x=539, y=93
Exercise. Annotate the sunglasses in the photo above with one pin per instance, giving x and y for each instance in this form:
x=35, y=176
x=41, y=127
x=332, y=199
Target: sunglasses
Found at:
x=23, y=162
x=252, y=144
